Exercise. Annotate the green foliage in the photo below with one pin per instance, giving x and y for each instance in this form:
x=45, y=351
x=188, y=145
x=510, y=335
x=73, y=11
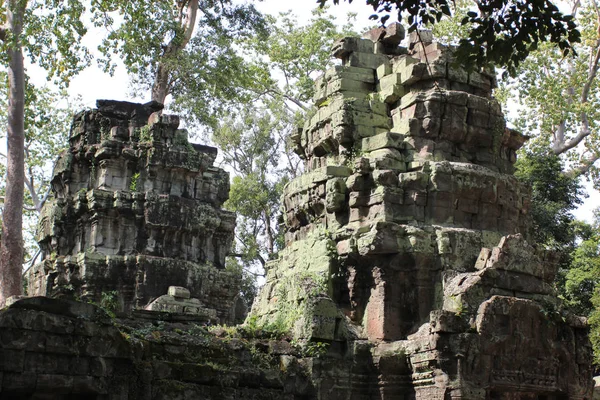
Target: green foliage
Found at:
x=271, y=330
x=578, y=283
x=150, y=330
x=500, y=32
x=48, y=115
x=594, y=321
x=554, y=195
x=249, y=287
x=311, y=349
x=450, y=30
x=582, y=278
x=145, y=134
x=299, y=53
x=252, y=146
x=558, y=97
x=133, y=185
x=51, y=37
x=255, y=141
x=251, y=329
x=109, y=302
x=207, y=74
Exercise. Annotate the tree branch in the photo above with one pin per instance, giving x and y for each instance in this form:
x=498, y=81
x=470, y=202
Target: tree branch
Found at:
x=272, y=92
x=591, y=75
x=260, y=258
x=32, y=261
x=575, y=7
x=190, y=22
x=559, y=147
x=43, y=201
x=585, y=166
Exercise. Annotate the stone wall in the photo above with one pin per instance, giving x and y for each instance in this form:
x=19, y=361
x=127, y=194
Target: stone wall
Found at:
x=60, y=349
x=135, y=208
x=406, y=275
x=406, y=230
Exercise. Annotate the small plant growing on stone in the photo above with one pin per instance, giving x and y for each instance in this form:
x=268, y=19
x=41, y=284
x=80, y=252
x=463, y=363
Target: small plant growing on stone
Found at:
x=109, y=301
x=457, y=304
x=145, y=134
x=311, y=349
x=260, y=358
x=133, y=186
x=104, y=129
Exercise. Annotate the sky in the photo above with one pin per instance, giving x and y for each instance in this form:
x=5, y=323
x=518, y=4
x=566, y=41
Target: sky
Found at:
x=93, y=84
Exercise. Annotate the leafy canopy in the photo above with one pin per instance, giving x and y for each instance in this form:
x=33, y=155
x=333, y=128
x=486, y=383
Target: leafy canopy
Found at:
x=254, y=141
x=502, y=32
x=205, y=73
x=554, y=195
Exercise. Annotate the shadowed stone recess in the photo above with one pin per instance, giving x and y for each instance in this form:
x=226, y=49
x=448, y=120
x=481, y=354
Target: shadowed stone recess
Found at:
x=136, y=208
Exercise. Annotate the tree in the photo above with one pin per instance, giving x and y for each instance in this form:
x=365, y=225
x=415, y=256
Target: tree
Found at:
x=255, y=141
x=57, y=29
x=500, y=32
x=560, y=97
x=554, y=195
x=583, y=276
x=47, y=117
x=184, y=48
x=252, y=145
x=582, y=289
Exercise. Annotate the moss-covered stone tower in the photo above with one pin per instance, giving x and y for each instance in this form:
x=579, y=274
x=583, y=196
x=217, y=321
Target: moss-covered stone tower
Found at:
x=406, y=232
x=136, y=208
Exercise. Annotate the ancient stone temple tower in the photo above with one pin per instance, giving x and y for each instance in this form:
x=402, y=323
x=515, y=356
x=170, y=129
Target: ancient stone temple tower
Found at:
x=404, y=237
x=136, y=208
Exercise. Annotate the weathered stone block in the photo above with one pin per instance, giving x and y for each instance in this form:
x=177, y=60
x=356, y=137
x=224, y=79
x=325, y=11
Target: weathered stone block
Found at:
x=342, y=48
x=384, y=70
x=19, y=382
x=381, y=141
x=349, y=73
x=348, y=85
x=390, y=88
x=179, y=292
x=365, y=60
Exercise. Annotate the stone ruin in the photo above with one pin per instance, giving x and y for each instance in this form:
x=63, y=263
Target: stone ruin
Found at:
x=406, y=232
x=406, y=255
x=136, y=209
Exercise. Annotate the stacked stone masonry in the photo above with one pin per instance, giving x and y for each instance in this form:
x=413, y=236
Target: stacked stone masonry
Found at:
x=406, y=230
x=135, y=209
x=406, y=274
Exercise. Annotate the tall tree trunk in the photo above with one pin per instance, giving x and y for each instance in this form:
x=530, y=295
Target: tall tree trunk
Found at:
x=161, y=87
x=269, y=232
x=11, y=248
